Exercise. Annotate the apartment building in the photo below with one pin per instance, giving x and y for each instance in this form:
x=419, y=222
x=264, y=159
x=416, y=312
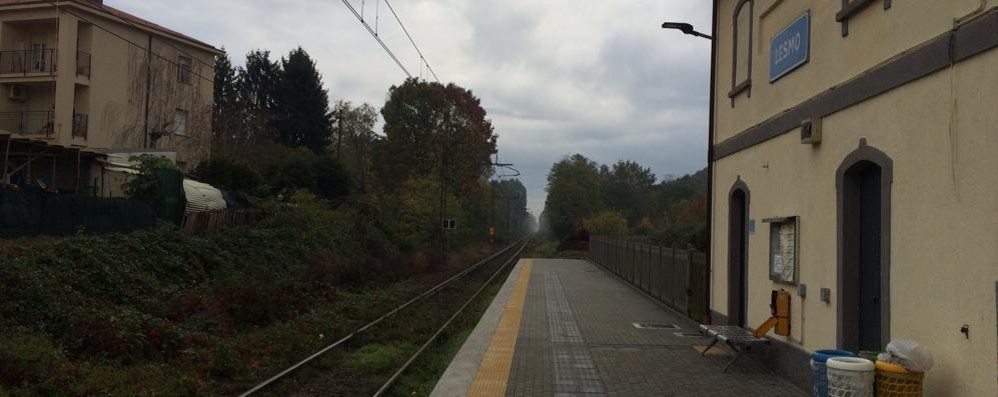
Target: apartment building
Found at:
x=854, y=159
x=83, y=84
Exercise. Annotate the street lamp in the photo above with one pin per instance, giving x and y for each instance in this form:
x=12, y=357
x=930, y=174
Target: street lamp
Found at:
x=688, y=29
x=685, y=28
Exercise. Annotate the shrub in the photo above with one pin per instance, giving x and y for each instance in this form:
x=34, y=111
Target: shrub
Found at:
x=145, y=185
x=33, y=362
x=606, y=223
x=230, y=174
x=330, y=179
x=285, y=170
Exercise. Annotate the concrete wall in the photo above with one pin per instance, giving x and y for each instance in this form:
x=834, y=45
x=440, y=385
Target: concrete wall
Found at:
x=940, y=133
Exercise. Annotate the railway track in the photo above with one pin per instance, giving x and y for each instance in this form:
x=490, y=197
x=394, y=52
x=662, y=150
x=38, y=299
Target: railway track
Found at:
x=452, y=296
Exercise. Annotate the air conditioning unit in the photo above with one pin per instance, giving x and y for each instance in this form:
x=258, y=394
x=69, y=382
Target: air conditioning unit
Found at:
x=18, y=93
x=810, y=131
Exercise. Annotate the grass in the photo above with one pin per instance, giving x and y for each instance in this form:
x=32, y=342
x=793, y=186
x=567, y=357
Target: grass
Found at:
x=548, y=249
x=141, y=347
x=364, y=364
x=420, y=379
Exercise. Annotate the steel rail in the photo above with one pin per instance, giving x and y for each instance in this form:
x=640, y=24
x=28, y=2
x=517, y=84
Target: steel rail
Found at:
x=384, y=388
x=349, y=336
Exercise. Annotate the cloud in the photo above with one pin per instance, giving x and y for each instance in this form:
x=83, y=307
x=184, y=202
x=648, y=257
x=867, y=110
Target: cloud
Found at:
x=557, y=77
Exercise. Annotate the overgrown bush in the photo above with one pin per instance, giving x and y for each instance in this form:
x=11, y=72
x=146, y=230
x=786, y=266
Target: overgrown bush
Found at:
x=229, y=174
x=284, y=170
x=151, y=294
x=606, y=223
x=145, y=185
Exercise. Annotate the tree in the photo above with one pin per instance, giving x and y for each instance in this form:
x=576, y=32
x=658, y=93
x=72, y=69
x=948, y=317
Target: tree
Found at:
x=229, y=174
x=145, y=185
x=303, y=104
x=226, y=91
x=471, y=140
x=573, y=194
x=429, y=126
x=509, y=213
x=227, y=115
x=628, y=188
x=258, y=87
x=606, y=223
x=353, y=129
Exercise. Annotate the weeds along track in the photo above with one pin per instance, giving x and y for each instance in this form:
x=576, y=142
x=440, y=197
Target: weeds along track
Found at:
x=371, y=359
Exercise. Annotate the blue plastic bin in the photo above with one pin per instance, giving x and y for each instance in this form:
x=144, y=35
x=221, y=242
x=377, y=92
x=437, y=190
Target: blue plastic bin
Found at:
x=819, y=374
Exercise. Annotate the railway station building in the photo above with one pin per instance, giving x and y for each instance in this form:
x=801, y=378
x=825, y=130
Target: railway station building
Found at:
x=854, y=163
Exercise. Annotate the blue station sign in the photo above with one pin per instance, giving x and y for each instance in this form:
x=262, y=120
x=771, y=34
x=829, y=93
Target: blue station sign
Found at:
x=790, y=48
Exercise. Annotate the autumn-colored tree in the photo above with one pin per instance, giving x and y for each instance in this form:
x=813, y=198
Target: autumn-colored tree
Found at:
x=354, y=139
x=429, y=127
x=606, y=223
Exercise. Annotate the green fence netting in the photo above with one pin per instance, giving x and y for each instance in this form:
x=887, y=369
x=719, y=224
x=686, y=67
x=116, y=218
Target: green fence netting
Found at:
x=32, y=211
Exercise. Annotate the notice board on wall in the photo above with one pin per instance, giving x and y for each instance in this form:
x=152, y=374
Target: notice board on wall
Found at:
x=783, y=257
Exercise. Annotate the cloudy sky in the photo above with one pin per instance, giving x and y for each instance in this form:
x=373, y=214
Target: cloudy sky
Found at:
x=556, y=76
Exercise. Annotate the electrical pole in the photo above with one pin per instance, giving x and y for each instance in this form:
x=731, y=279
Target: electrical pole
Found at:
x=443, y=191
x=495, y=184
x=339, y=138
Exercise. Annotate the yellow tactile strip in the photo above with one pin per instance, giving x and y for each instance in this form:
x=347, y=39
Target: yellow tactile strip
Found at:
x=493, y=373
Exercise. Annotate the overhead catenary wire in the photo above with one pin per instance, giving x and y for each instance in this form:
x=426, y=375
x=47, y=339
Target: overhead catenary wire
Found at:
x=378, y=38
x=148, y=51
x=406, y=31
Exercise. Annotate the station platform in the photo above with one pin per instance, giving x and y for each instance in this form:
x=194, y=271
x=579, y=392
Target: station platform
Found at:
x=568, y=328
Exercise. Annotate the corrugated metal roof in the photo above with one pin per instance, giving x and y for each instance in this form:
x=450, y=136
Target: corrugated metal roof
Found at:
x=202, y=197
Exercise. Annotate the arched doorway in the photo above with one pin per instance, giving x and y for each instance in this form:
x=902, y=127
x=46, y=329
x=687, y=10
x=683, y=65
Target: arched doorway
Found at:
x=864, y=182
x=738, y=215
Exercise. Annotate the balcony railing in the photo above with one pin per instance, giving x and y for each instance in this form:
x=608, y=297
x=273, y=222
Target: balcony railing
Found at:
x=29, y=62
x=28, y=123
x=40, y=62
x=80, y=125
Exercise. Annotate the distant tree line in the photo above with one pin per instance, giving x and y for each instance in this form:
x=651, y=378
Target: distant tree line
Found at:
x=275, y=132
x=625, y=199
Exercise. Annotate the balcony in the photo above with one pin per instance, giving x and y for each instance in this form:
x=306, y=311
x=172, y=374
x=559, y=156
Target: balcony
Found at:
x=31, y=62
x=35, y=123
x=39, y=62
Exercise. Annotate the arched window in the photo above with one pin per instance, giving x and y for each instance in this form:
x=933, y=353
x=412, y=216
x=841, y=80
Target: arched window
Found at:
x=741, y=73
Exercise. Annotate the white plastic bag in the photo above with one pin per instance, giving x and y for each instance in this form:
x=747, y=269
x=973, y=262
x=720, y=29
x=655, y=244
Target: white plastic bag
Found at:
x=911, y=355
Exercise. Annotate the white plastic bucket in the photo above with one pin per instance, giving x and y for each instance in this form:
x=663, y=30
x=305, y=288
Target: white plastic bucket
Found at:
x=850, y=377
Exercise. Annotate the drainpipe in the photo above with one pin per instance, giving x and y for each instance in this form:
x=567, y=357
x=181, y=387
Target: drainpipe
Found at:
x=710, y=162
x=146, y=142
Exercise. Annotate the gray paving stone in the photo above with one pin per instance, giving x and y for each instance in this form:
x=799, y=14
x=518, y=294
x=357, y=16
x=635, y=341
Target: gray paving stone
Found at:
x=577, y=339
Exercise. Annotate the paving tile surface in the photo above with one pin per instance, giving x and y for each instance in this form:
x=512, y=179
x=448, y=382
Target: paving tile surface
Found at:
x=577, y=338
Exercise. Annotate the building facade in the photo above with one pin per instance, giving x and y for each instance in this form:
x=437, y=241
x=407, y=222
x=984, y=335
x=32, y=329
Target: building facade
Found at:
x=80, y=80
x=854, y=162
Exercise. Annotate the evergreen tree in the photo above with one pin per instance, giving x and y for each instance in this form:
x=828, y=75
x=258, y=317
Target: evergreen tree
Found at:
x=226, y=91
x=258, y=87
x=226, y=115
x=303, y=104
